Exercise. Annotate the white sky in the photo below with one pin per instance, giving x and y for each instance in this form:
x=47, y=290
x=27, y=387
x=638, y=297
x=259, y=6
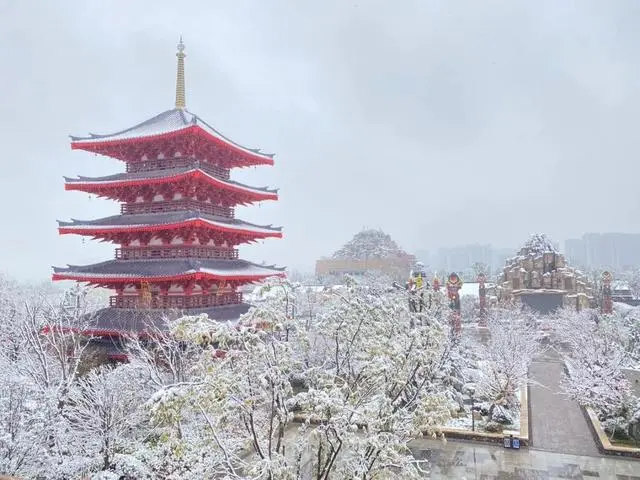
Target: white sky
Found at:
x=440, y=122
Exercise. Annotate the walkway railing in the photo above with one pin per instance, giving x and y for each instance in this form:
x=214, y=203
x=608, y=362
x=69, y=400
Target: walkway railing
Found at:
x=167, y=163
x=176, y=206
x=175, y=251
x=176, y=301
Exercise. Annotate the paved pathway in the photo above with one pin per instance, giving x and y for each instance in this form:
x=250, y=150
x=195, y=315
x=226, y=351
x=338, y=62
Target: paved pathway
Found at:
x=466, y=460
x=557, y=423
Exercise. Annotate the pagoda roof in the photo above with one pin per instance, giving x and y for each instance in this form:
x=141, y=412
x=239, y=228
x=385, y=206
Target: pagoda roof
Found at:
x=161, y=176
x=163, y=220
x=115, y=322
x=166, y=123
x=125, y=271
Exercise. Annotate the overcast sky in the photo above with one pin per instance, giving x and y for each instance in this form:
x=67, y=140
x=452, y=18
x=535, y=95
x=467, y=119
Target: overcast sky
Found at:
x=441, y=122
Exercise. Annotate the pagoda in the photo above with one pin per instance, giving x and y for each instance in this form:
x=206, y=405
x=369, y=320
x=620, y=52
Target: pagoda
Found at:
x=176, y=233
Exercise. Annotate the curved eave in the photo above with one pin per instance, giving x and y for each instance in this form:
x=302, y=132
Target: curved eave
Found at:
x=100, y=144
x=97, y=230
x=127, y=279
x=89, y=332
x=100, y=186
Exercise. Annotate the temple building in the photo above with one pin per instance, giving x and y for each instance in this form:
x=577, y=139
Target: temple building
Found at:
x=540, y=278
x=176, y=233
x=370, y=251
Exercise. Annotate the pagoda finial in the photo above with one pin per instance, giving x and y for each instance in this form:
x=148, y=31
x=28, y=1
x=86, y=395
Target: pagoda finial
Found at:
x=180, y=95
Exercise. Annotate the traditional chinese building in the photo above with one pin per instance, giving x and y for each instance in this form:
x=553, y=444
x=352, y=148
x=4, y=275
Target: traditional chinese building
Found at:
x=176, y=234
x=368, y=251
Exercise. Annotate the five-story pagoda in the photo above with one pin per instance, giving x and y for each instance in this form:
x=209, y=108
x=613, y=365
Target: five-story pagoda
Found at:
x=177, y=233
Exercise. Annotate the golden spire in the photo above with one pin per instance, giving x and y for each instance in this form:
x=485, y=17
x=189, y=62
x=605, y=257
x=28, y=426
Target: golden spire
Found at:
x=180, y=96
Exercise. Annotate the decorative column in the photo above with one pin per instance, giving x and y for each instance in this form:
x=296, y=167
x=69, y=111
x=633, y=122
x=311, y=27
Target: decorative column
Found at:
x=454, y=284
x=607, y=303
x=145, y=295
x=482, y=294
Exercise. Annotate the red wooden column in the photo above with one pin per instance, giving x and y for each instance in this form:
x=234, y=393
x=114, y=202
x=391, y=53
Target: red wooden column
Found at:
x=164, y=295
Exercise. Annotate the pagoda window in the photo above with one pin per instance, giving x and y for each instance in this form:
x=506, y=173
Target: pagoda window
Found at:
x=155, y=241
x=177, y=241
x=134, y=243
x=160, y=156
x=144, y=157
x=130, y=290
x=158, y=198
x=139, y=199
x=177, y=196
x=176, y=289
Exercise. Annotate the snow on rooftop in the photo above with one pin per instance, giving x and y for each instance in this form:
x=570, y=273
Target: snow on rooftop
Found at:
x=167, y=122
x=370, y=244
x=133, y=221
x=539, y=244
x=168, y=174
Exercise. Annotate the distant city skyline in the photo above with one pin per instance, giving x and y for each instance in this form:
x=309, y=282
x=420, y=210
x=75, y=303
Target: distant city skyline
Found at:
x=609, y=250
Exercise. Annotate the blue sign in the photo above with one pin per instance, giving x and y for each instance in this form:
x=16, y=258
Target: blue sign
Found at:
x=515, y=443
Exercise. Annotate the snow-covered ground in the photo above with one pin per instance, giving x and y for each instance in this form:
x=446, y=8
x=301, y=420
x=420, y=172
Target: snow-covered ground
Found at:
x=464, y=422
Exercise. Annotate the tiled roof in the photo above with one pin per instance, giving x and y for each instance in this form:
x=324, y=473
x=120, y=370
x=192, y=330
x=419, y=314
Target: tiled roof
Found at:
x=165, y=218
x=161, y=174
x=121, y=320
x=169, y=267
x=167, y=122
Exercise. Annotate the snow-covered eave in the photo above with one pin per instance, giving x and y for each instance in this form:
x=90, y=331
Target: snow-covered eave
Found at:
x=252, y=151
x=246, y=275
x=77, y=226
x=162, y=125
x=96, y=183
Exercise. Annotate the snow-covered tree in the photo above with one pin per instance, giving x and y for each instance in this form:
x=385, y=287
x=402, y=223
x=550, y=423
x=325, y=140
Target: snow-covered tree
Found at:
x=360, y=377
x=41, y=355
x=104, y=415
x=514, y=342
x=593, y=348
x=22, y=426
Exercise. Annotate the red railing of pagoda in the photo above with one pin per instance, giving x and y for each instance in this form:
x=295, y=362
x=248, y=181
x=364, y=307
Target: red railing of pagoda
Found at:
x=176, y=205
x=175, y=251
x=186, y=301
x=167, y=163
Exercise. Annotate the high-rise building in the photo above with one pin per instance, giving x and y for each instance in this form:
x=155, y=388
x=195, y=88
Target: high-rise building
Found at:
x=615, y=251
x=463, y=257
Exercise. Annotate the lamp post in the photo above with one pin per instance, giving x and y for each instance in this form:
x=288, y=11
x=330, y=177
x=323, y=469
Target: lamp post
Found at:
x=482, y=294
x=472, y=392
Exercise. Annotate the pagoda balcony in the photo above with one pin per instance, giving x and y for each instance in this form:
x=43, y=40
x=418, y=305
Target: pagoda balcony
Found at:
x=177, y=301
x=167, y=163
x=176, y=206
x=175, y=251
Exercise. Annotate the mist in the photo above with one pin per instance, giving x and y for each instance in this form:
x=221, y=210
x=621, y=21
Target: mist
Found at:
x=442, y=123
